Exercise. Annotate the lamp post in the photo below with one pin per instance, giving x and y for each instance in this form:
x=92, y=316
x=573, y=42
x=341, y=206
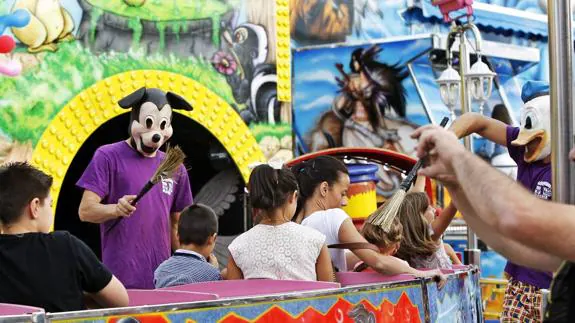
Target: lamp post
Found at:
x=475, y=83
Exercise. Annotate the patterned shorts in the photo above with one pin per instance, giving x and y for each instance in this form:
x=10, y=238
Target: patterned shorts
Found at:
x=522, y=303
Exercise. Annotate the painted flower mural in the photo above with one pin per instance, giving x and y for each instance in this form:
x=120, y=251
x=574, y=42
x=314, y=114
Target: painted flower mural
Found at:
x=224, y=63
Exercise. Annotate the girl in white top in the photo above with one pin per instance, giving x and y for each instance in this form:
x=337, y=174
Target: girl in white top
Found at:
x=277, y=248
x=323, y=182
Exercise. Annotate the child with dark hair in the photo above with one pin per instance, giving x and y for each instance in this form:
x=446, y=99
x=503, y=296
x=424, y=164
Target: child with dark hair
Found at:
x=323, y=183
x=55, y=271
x=193, y=262
x=277, y=248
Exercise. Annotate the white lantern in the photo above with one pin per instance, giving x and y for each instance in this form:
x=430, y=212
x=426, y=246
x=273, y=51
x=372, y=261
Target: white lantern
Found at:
x=449, y=82
x=480, y=82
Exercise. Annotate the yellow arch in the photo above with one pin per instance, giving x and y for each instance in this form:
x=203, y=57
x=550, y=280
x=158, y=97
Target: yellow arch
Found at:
x=90, y=109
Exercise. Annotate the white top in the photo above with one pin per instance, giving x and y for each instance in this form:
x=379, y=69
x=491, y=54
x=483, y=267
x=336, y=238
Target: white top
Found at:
x=438, y=260
x=328, y=222
x=288, y=251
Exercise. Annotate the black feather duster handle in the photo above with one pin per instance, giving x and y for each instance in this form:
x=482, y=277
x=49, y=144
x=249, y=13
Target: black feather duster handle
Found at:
x=143, y=191
x=173, y=159
x=408, y=181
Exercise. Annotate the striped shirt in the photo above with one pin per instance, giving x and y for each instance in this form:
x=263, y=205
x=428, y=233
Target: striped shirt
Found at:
x=185, y=267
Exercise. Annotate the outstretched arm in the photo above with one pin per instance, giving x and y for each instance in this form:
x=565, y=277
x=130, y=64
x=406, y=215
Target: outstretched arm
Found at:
x=515, y=212
x=489, y=128
x=442, y=222
x=511, y=249
x=451, y=253
x=387, y=265
x=500, y=203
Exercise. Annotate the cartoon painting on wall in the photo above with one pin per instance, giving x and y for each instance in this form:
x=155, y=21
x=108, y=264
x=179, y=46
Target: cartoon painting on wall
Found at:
x=67, y=47
x=253, y=81
x=227, y=45
x=358, y=96
x=332, y=21
x=370, y=96
x=49, y=24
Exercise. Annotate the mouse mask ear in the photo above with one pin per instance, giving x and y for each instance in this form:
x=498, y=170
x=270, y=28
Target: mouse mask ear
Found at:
x=129, y=101
x=177, y=102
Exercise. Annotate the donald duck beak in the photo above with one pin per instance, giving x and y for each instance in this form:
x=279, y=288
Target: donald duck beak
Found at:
x=534, y=142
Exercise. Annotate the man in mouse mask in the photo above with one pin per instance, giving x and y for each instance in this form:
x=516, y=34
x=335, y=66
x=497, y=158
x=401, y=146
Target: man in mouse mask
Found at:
x=134, y=247
x=530, y=147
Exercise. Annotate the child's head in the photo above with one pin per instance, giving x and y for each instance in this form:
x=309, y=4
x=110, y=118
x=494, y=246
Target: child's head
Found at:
x=387, y=242
x=271, y=189
x=324, y=178
x=25, y=197
x=417, y=240
x=198, y=227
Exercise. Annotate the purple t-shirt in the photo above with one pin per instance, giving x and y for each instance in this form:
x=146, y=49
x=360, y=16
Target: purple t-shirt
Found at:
x=536, y=177
x=138, y=244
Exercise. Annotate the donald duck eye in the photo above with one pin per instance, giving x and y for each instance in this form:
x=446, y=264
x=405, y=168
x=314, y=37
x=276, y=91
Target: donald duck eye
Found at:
x=530, y=121
x=149, y=122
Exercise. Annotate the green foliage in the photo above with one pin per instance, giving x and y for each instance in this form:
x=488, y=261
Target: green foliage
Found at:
x=262, y=130
x=30, y=101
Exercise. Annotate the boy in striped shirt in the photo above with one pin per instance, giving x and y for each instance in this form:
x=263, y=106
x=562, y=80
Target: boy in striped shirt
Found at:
x=193, y=262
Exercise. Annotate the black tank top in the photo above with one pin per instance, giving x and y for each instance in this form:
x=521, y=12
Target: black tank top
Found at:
x=561, y=307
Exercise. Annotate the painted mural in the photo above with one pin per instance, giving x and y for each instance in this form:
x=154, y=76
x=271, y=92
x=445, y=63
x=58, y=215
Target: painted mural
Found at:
x=69, y=45
x=457, y=301
x=408, y=301
x=357, y=96
x=76, y=58
x=382, y=304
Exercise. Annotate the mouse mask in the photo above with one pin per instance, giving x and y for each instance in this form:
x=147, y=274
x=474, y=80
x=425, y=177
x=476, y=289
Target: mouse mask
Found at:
x=535, y=132
x=151, y=117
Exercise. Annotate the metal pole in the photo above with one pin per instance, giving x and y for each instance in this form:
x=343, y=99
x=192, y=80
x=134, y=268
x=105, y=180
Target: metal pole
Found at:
x=560, y=62
x=472, y=254
x=463, y=70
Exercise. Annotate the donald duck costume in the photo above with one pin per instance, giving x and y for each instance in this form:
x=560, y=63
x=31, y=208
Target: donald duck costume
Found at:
x=535, y=130
x=530, y=147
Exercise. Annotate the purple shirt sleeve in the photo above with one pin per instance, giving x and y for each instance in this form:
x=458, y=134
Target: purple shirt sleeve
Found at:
x=516, y=153
x=183, y=197
x=96, y=176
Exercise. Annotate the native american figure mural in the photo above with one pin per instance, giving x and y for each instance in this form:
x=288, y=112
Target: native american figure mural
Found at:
x=368, y=110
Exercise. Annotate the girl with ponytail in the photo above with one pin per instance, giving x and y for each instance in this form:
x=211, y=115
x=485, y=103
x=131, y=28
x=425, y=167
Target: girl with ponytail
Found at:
x=277, y=248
